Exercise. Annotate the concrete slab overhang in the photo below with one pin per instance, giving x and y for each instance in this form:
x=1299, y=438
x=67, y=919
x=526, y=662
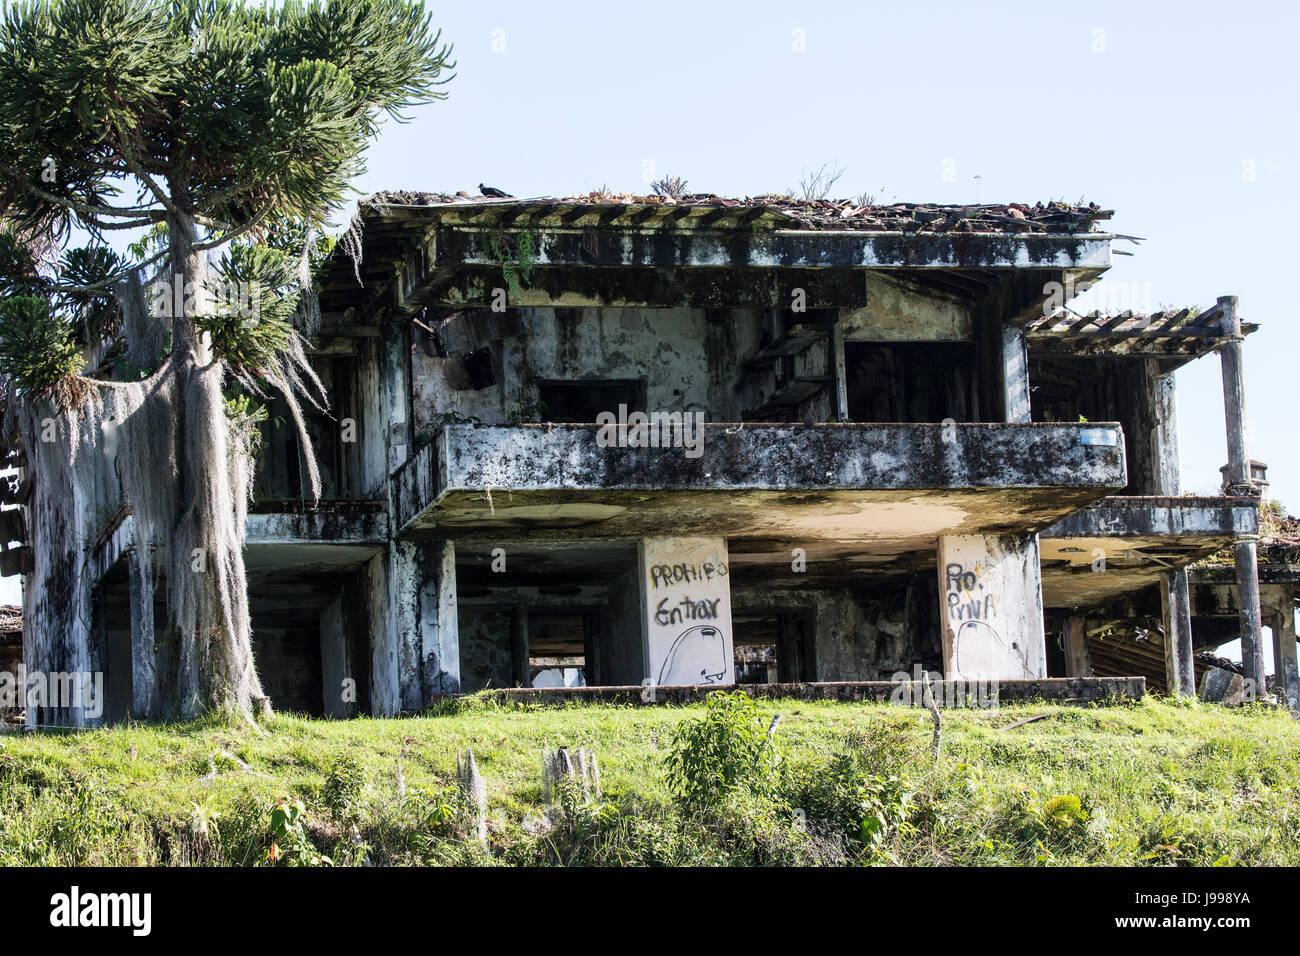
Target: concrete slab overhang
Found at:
x=460, y=267
x=898, y=487
x=1139, y=538
x=335, y=536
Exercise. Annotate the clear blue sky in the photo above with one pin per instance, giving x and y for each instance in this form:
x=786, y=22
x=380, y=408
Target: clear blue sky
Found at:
x=1180, y=116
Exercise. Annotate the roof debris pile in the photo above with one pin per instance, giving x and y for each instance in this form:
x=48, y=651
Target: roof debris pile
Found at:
x=1056, y=218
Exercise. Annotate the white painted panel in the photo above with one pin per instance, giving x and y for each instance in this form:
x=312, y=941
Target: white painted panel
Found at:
x=686, y=606
x=991, y=607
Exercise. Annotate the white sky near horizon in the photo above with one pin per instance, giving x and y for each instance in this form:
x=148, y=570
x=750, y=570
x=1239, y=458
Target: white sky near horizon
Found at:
x=1179, y=116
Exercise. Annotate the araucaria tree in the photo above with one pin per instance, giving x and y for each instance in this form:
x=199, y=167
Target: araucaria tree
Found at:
x=205, y=124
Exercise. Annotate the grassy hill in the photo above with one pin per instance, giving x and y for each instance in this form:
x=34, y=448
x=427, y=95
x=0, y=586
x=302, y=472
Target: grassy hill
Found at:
x=1156, y=782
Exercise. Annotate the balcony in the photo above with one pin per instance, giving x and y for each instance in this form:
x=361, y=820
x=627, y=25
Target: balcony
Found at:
x=892, y=488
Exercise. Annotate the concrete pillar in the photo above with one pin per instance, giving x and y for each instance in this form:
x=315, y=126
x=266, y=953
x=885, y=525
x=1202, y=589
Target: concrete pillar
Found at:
x=394, y=390
x=1015, y=375
x=1175, y=600
x=1252, y=634
x=1234, y=394
x=841, y=410
x=420, y=656
x=1239, y=482
x=590, y=643
x=520, y=671
x=1078, y=662
x=1164, y=433
x=1286, y=661
x=686, y=611
x=991, y=605
x=385, y=689
x=338, y=695
x=144, y=677
x=621, y=651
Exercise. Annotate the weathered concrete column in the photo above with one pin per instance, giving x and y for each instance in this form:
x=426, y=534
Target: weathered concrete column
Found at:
x=385, y=688
x=1286, y=660
x=422, y=625
x=991, y=605
x=1161, y=394
x=1234, y=394
x=1252, y=633
x=1175, y=600
x=394, y=360
x=144, y=677
x=1015, y=375
x=337, y=693
x=841, y=405
x=1234, y=408
x=520, y=671
x=686, y=611
x=1078, y=662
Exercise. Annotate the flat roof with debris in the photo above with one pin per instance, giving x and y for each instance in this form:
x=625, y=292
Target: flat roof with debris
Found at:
x=435, y=248
x=771, y=210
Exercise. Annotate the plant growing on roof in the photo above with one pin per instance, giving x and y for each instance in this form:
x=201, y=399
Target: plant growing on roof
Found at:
x=674, y=187
x=210, y=124
x=517, y=263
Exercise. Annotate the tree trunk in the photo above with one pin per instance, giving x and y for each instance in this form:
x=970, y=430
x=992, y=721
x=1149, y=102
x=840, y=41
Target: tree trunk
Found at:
x=206, y=583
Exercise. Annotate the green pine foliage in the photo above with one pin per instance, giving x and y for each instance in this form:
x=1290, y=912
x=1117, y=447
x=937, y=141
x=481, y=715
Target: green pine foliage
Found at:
x=245, y=120
x=37, y=349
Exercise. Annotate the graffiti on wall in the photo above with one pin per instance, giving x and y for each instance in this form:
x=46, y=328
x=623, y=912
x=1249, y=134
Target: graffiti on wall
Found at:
x=688, y=611
x=981, y=644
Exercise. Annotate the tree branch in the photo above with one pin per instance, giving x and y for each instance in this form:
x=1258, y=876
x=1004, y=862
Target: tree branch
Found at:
x=235, y=234
x=139, y=173
x=115, y=279
x=75, y=205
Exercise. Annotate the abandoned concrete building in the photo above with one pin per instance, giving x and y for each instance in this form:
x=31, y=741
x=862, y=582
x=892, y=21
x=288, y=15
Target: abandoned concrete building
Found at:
x=623, y=441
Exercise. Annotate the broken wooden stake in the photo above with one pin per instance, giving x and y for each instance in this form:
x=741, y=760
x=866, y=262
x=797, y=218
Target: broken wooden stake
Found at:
x=1026, y=720
x=936, y=744
x=473, y=791
x=578, y=767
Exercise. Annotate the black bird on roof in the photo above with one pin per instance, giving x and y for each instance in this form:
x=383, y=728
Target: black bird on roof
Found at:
x=493, y=192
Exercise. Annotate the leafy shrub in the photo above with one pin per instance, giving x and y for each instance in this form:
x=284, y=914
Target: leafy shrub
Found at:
x=344, y=792
x=290, y=844
x=726, y=750
x=240, y=829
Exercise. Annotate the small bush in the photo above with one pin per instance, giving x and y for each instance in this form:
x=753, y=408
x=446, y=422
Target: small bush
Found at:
x=290, y=843
x=726, y=750
x=344, y=792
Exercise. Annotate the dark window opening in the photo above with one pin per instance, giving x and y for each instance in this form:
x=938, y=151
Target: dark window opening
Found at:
x=911, y=382
x=478, y=367
x=773, y=647
x=580, y=402
x=558, y=647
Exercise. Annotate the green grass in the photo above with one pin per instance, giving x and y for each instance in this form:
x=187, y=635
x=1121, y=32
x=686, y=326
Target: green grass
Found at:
x=1156, y=782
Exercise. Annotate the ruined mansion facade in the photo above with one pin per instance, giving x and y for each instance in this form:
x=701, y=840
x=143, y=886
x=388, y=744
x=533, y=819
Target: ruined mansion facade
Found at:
x=627, y=441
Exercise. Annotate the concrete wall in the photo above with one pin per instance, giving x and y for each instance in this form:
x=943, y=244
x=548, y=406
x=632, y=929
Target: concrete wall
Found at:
x=666, y=347
x=686, y=607
x=484, y=649
x=289, y=664
x=690, y=360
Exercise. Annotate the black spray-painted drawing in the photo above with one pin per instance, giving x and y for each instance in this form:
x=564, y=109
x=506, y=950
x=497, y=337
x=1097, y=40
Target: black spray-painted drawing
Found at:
x=981, y=649
x=698, y=656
